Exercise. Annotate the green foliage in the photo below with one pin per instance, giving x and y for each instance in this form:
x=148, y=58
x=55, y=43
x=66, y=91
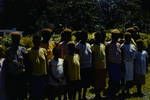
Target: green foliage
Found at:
x=78, y=14
x=89, y=14
x=6, y=40
x=26, y=41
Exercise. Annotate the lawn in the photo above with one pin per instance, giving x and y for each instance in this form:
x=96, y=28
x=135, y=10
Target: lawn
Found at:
x=146, y=90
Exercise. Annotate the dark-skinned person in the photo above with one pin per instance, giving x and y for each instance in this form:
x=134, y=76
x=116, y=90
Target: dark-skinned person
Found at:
x=66, y=35
x=46, y=43
x=136, y=32
x=103, y=34
x=134, y=36
x=14, y=69
x=85, y=53
x=141, y=63
x=72, y=71
x=99, y=64
x=128, y=54
x=77, y=36
x=37, y=57
x=114, y=64
x=56, y=77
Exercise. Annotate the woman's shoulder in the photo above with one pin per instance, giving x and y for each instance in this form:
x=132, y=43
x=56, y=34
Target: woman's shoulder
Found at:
x=42, y=50
x=145, y=52
x=76, y=55
x=88, y=45
x=102, y=45
x=60, y=59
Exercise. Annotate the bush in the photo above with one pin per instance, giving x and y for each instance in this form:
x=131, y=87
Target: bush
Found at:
x=26, y=41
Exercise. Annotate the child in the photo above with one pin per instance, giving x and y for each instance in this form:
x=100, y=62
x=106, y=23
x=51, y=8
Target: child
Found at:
x=65, y=38
x=72, y=70
x=114, y=61
x=38, y=66
x=46, y=34
x=15, y=69
x=84, y=50
x=128, y=52
x=77, y=36
x=56, y=75
x=98, y=55
x=140, y=67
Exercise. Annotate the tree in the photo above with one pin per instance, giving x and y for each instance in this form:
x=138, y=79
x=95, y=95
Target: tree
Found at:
x=78, y=14
x=74, y=13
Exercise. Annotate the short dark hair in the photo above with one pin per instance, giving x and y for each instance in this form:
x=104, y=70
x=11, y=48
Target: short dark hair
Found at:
x=46, y=32
x=136, y=28
x=127, y=34
x=139, y=42
x=56, y=50
x=84, y=34
x=71, y=45
x=115, y=31
x=98, y=34
x=66, y=34
x=130, y=30
x=15, y=35
x=36, y=37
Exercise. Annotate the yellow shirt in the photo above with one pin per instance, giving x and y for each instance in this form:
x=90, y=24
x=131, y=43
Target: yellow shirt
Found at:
x=38, y=61
x=73, y=67
x=98, y=54
x=49, y=48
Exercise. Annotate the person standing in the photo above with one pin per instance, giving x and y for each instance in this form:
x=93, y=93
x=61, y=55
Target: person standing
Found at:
x=99, y=64
x=72, y=71
x=56, y=77
x=85, y=53
x=141, y=63
x=14, y=67
x=114, y=63
x=128, y=52
x=46, y=34
x=66, y=35
x=37, y=57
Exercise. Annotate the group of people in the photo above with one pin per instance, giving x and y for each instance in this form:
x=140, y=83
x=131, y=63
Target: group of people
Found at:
x=63, y=69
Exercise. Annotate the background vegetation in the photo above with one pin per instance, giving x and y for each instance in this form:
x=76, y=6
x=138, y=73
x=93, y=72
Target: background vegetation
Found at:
x=31, y=15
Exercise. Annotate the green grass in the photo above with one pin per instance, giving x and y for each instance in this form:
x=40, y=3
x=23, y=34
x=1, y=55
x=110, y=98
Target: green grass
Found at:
x=146, y=90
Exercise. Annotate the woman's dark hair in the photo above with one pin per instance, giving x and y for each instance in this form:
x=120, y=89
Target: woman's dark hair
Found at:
x=66, y=35
x=56, y=51
x=84, y=35
x=36, y=38
x=46, y=34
